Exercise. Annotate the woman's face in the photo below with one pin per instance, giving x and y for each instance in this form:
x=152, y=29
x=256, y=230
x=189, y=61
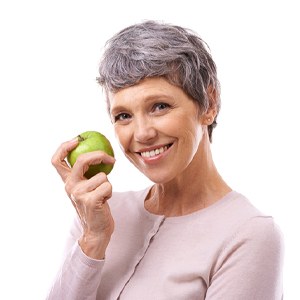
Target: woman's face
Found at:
x=158, y=127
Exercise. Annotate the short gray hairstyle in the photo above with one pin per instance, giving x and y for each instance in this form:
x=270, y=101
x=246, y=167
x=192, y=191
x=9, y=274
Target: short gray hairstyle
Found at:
x=156, y=49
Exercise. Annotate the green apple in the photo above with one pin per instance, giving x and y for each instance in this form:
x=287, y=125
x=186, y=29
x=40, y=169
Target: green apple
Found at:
x=92, y=141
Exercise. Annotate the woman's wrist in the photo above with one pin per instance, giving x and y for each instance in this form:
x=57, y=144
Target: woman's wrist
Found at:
x=94, y=247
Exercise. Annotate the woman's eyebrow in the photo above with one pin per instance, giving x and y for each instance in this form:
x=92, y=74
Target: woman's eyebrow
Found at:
x=146, y=99
x=116, y=109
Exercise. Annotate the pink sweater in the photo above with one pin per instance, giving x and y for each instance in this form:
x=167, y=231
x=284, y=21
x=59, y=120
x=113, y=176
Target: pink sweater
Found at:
x=228, y=251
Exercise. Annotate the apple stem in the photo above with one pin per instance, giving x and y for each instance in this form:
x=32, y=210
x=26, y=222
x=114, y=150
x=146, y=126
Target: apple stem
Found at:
x=80, y=138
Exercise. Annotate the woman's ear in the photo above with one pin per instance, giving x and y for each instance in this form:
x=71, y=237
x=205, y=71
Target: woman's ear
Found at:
x=209, y=116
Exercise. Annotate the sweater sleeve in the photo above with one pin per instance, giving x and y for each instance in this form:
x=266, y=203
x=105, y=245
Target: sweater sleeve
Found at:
x=250, y=265
x=79, y=275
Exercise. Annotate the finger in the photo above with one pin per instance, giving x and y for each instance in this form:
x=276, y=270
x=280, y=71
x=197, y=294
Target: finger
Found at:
x=63, y=150
x=104, y=192
x=92, y=200
x=76, y=189
x=97, y=180
x=90, y=158
x=58, y=159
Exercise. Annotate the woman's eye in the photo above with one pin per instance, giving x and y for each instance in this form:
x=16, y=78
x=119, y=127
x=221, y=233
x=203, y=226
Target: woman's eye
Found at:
x=122, y=117
x=161, y=106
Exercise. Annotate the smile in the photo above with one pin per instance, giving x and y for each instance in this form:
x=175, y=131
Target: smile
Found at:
x=155, y=152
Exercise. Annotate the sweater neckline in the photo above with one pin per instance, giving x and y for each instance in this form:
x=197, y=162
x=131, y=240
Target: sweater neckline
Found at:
x=230, y=196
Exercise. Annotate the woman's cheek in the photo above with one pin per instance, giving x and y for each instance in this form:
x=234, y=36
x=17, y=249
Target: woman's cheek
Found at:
x=121, y=136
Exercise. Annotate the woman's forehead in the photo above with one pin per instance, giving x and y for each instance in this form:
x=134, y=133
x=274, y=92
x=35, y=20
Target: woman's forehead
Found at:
x=147, y=90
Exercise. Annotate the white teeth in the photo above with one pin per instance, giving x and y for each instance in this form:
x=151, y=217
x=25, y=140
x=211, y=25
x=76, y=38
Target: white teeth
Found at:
x=154, y=152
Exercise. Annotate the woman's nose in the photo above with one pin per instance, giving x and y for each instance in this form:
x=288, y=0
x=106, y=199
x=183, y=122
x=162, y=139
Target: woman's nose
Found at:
x=144, y=131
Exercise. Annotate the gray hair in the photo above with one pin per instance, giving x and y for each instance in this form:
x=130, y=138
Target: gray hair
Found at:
x=155, y=49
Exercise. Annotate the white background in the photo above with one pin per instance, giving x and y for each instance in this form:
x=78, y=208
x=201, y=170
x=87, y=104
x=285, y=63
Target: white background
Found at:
x=49, y=56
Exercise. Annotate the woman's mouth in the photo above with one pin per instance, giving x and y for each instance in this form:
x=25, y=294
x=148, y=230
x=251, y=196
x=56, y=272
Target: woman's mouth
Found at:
x=155, y=152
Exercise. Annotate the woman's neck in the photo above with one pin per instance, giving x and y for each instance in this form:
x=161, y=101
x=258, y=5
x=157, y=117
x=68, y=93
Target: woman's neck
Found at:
x=199, y=186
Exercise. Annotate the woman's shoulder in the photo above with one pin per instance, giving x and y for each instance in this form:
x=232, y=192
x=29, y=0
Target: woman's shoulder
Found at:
x=248, y=222
x=263, y=229
x=235, y=216
x=246, y=233
x=236, y=206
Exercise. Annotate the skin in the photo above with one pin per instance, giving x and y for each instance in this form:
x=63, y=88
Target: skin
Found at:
x=154, y=114
x=89, y=197
x=150, y=115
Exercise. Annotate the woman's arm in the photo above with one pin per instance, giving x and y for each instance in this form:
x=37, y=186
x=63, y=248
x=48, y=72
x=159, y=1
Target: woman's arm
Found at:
x=80, y=274
x=250, y=266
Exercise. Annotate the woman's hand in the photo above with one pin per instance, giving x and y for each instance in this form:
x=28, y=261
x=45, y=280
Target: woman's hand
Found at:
x=88, y=196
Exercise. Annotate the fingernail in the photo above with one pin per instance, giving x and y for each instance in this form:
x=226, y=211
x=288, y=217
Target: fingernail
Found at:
x=112, y=159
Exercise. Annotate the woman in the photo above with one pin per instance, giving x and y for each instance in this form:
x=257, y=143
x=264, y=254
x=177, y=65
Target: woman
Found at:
x=189, y=235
